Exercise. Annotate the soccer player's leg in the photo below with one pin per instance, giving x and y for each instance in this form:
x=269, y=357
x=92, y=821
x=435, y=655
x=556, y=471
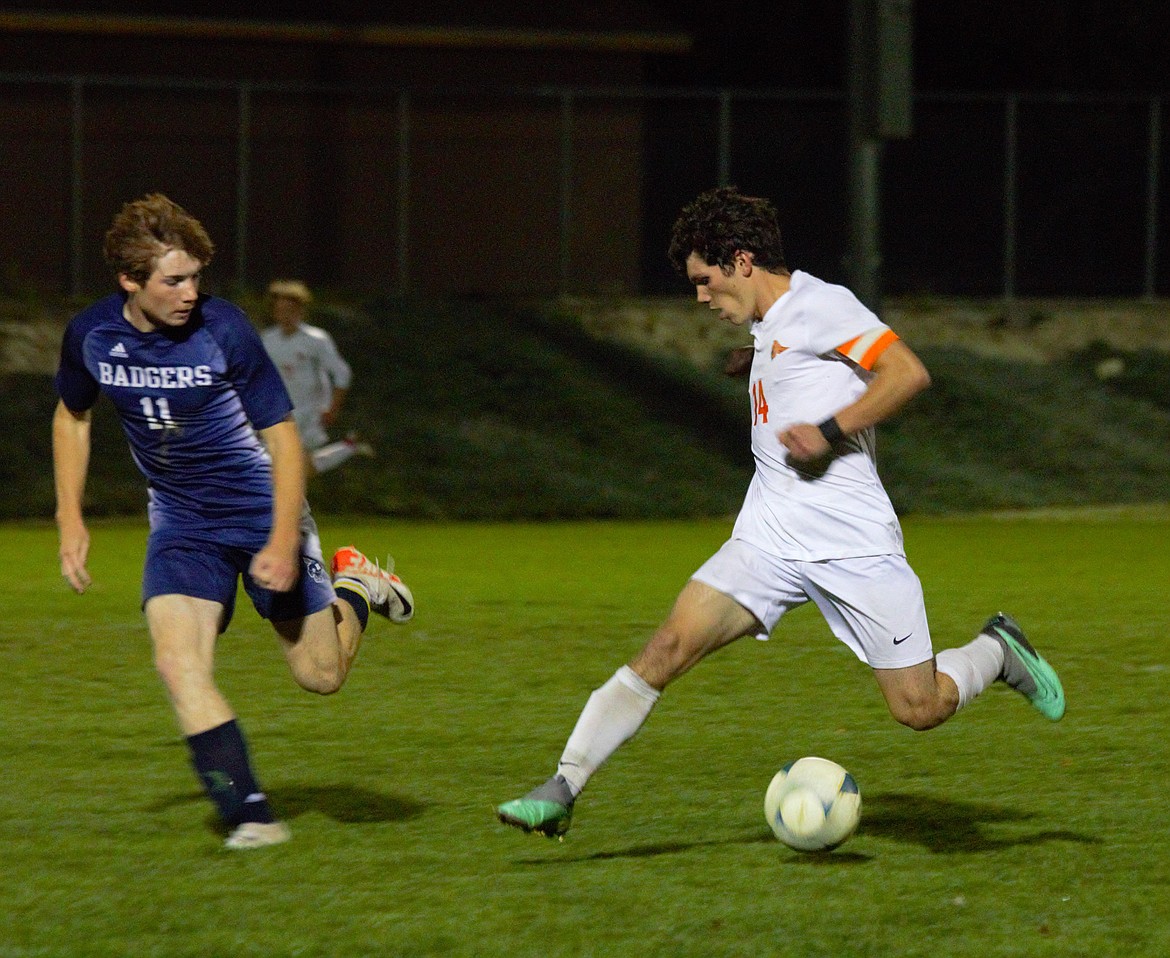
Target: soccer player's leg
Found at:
x=321, y=622
x=883, y=619
x=320, y=634
x=333, y=454
x=369, y=587
x=1024, y=669
x=703, y=620
x=321, y=647
x=875, y=606
x=546, y=810
x=183, y=630
x=918, y=696
x=313, y=437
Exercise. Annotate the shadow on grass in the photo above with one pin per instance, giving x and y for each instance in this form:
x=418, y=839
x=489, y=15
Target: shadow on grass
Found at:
x=651, y=851
x=348, y=804
x=945, y=826
x=938, y=825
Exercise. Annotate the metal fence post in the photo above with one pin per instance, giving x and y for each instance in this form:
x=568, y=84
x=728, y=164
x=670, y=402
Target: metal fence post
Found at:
x=243, y=143
x=864, y=248
x=1010, y=146
x=1153, y=162
x=76, y=185
x=566, y=213
x=724, y=138
x=403, y=193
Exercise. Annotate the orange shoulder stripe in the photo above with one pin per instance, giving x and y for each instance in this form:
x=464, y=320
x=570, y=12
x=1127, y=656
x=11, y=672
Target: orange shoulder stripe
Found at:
x=865, y=349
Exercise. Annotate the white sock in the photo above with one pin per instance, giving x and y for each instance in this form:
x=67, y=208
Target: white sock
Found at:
x=612, y=715
x=333, y=455
x=973, y=666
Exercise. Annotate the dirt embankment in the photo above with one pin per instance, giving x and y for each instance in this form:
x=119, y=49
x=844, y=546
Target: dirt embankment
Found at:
x=30, y=340
x=1031, y=330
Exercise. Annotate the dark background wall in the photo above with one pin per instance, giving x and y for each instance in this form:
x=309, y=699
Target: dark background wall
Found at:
x=484, y=198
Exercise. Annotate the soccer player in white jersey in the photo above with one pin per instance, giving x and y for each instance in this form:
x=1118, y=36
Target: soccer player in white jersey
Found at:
x=314, y=372
x=816, y=524
x=193, y=387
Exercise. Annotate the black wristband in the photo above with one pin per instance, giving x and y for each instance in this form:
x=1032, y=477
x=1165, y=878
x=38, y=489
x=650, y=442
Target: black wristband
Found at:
x=831, y=430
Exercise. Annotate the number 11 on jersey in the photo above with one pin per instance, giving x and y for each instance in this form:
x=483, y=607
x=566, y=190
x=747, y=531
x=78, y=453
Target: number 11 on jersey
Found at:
x=759, y=403
x=163, y=418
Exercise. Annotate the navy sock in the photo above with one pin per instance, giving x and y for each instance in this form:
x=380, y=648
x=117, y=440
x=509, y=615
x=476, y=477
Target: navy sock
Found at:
x=361, y=605
x=220, y=757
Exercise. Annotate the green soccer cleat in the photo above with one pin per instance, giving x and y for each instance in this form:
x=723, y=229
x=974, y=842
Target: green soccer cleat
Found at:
x=546, y=810
x=1024, y=669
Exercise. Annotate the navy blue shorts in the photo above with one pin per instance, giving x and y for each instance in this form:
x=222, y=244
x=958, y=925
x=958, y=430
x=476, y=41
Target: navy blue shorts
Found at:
x=177, y=564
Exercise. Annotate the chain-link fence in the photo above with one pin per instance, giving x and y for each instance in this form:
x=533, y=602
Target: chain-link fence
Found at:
x=558, y=189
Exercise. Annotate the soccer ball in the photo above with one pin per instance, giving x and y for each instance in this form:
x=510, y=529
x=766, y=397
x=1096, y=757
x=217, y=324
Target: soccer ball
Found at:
x=812, y=804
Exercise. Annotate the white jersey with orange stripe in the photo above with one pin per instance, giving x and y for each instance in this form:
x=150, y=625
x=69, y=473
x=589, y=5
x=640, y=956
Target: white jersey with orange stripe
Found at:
x=814, y=351
x=311, y=368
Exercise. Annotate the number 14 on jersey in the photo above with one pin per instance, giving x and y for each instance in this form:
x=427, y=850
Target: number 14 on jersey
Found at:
x=759, y=403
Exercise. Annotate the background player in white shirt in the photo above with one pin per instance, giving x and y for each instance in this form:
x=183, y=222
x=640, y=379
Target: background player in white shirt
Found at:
x=816, y=524
x=314, y=372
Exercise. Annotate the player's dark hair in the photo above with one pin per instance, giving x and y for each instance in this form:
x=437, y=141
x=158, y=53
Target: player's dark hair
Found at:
x=722, y=222
x=147, y=229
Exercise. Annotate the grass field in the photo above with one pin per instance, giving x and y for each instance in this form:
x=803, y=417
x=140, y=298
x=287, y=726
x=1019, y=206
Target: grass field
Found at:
x=999, y=834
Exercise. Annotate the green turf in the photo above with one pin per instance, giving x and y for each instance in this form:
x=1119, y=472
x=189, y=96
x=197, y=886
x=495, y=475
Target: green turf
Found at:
x=999, y=834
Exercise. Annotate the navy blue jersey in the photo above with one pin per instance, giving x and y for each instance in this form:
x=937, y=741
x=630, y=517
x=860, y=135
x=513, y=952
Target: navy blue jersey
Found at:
x=189, y=399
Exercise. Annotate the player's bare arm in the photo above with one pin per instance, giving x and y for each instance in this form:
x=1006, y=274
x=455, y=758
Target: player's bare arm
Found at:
x=277, y=565
x=71, y=444
x=899, y=376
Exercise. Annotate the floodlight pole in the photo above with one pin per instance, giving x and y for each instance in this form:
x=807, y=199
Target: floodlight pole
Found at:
x=879, y=109
x=863, y=251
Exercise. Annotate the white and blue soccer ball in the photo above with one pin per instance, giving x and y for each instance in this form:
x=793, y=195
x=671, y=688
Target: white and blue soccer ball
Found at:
x=813, y=804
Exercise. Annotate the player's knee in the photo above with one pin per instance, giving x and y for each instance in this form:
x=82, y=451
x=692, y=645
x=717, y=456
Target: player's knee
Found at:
x=669, y=643
x=668, y=654
x=673, y=646
x=319, y=677
x=177, y=672
x=321, y=681
x=918, y=712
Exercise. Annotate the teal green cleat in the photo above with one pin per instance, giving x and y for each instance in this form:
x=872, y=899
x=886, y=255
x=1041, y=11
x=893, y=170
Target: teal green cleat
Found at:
x=1024, y=669
x=546, y=810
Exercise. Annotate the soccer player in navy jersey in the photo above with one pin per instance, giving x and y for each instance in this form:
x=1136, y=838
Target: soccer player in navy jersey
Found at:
x=210, y=425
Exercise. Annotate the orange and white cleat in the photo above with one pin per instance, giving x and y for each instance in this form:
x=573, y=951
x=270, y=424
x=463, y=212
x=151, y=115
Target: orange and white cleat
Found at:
x=387, y=594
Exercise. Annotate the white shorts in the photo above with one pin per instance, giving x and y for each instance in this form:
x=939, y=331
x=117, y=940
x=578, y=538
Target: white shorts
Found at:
x=873, y=604
x=313, y=435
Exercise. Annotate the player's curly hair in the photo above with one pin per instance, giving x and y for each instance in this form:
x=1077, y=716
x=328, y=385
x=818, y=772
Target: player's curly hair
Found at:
x=148, y=228
x=722, y=222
